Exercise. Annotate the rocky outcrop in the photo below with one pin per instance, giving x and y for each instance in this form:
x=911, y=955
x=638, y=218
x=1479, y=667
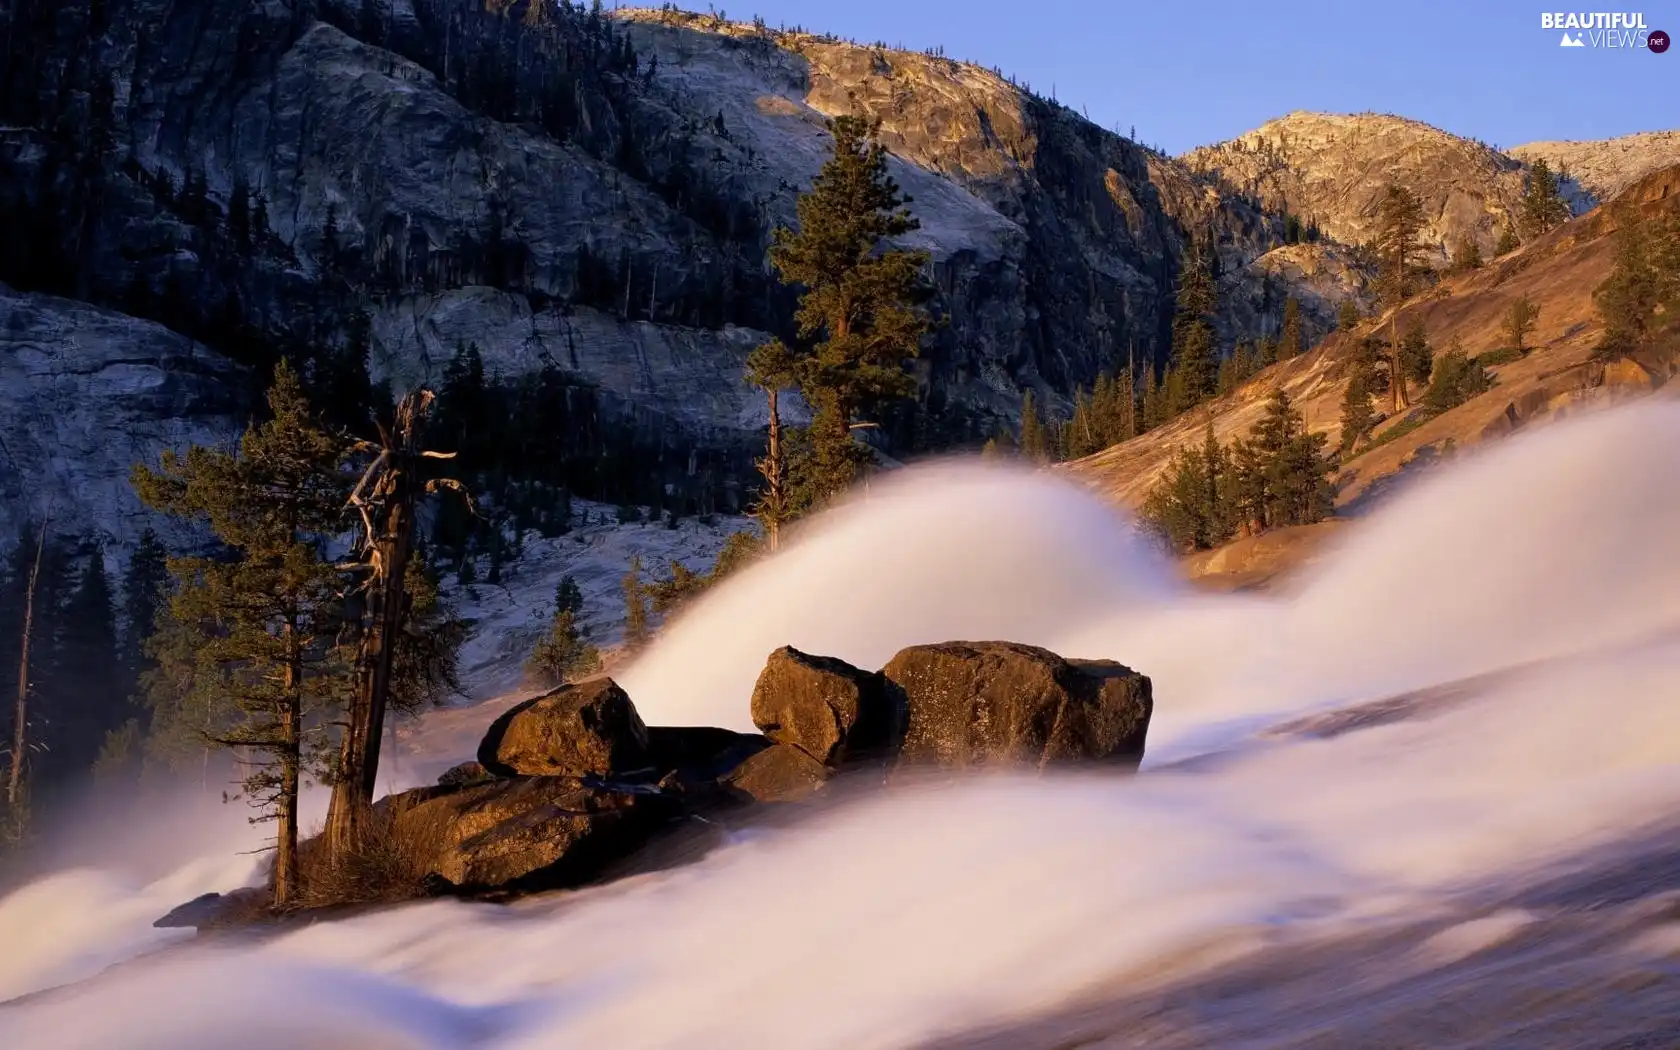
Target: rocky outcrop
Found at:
x=1606, y=167
x=824, y=707
x=586, y=730
x=983, y=703
x=571, y=786
x=1332, y=169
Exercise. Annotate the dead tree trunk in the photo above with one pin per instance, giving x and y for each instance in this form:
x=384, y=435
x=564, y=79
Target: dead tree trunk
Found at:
x=1397, y=397
x=291, y=761
x=20, y=715
x=386, y=499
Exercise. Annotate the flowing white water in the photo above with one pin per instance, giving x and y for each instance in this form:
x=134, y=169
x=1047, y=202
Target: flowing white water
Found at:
x=902, y=916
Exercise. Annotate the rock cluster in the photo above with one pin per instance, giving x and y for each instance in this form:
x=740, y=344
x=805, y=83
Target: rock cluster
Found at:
x=572, y=781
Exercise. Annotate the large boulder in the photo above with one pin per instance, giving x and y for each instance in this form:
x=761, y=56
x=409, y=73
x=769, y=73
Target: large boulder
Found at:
x=779, y=773
x=582, y=730
x=823, y=706
x=528, y=833
x=979, y=703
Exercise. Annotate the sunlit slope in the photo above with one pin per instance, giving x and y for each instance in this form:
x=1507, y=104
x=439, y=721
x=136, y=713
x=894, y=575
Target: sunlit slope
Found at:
x=1558, y=272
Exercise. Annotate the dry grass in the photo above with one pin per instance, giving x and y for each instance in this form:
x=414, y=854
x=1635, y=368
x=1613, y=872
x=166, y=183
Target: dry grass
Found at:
x=384, y=869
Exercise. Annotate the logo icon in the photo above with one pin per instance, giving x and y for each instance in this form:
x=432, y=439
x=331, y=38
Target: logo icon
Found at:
x=1657, y=41
x=1571, y=41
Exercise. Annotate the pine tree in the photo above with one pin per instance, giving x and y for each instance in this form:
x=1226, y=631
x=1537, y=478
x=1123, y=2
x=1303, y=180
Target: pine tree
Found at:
x=1519, y=322
x=1466, y=255
x=262, y=629
x=563, y=655
x=1417, y=358
x=1347, y=316
x=1154, y=405
x=1173, y=509
x=1034, y=442
x=1641, y=296
x=1508, y=242
x=1194, y=357
x=1357, y=415
x=1280, y=473
x=87, y=695
x=1291, y=338
x=858, y=310
x=1543, y=207
x=1458, y=378
x=635, y=607
x=1399, y=220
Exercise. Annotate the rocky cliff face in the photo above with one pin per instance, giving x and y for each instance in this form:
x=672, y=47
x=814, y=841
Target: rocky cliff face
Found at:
x=84, y=394
x=589, y=193
x=1333, y=168
x=1606, y=167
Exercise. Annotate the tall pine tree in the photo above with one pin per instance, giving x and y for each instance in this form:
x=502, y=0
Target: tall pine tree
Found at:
x=859, y=318
x=263, y=627
x=1399, y=220
x=1543, y=207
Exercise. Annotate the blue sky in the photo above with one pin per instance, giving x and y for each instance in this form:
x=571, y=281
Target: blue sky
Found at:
x=1191, y=73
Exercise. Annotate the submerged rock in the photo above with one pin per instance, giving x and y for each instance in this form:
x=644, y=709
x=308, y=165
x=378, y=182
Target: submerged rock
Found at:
x=779, y=773
x=587, y=729
x=977, y=703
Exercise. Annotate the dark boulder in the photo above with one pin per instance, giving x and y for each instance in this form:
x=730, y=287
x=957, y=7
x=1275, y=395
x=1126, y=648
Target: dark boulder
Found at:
x=779, y=773
x=212, y=910
x=587, y=729
x=528, y=833
x=979, y=703
x=825, y=707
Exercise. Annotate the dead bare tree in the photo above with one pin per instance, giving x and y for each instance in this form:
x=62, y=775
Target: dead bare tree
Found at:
x=385, y=498
x=20, y=715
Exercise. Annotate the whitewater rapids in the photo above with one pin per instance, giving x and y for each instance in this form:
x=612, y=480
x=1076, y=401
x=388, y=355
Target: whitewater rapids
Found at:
x=903, y=917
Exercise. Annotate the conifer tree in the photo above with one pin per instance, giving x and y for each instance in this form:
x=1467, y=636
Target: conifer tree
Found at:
x=1641, y=296
x=145, y=596
x=1194, y=357
x=1357, y=415
x=858, y=311
x=1543, y=207
x=1035, y=441
x=1174, y=508
x=1417, y=358
x=1508, y=242
x=563, y=655
x=1154, y=407
x=1466, y=255
x=1519, y=322
x=635, y=607
x=1347, y=316
x=87, y=697
x=262, y=629
x=1399, y=219
x=1457, y=379
x=1291, y=338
